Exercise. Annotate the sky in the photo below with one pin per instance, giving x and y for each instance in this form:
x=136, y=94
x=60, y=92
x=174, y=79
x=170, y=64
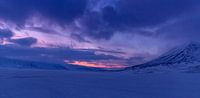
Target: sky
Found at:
x=96, y=33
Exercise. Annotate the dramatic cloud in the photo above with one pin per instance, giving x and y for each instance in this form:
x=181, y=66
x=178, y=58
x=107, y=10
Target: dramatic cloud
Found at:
x=58, y=55
x=184, y=29
x=127, y=15
x=100, y=19
x=131, y=30
x=141, y=13
x=62, y=10
x=94, y=26
x=28, y=41
x=5, y=33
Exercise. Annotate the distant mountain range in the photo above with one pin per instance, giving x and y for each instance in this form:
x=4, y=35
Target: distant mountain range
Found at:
x=185, y=58
x=26, y=64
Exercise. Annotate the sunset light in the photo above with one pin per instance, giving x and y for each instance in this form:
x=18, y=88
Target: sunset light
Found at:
x=96, y=64
x=99, y=48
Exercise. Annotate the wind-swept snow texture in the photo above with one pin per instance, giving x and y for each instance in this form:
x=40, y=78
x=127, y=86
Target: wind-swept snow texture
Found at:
x=72, y=84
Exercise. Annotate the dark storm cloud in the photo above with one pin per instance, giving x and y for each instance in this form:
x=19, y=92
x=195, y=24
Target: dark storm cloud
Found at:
x=130, y=14
x=185, y=30
x=94, y=26
x=112, y=16
x=140, y=13
x=6, y=33
x=43, y=30
x=55, y=55
x=59, y=10
x=28, y=41
x=104, y=51
x=79, y=38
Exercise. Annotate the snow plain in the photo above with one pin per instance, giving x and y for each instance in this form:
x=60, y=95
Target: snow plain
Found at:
x=21, y=83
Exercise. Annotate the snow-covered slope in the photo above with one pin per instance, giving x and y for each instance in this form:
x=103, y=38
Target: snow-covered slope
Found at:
x=183, y=58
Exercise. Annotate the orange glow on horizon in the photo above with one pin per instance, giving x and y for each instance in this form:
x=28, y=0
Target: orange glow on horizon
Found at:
x=96, y=64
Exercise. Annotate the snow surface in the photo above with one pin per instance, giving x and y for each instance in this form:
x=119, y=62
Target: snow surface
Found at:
x=22, y=83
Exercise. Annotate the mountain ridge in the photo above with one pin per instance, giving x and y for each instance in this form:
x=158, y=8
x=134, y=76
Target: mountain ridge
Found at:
x=184, y=57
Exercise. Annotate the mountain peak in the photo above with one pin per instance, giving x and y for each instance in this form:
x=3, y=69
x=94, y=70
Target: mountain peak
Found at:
x=186, y=54
x=192, y=45
x=185, y=57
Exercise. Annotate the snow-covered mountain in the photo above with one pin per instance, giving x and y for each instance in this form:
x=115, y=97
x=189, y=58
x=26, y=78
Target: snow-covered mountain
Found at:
x=184, y=58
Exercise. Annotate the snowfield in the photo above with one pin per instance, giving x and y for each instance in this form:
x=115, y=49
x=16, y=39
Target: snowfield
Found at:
x=22, y=83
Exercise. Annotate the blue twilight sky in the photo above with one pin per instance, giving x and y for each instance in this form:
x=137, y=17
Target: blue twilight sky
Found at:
x=101, y=32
